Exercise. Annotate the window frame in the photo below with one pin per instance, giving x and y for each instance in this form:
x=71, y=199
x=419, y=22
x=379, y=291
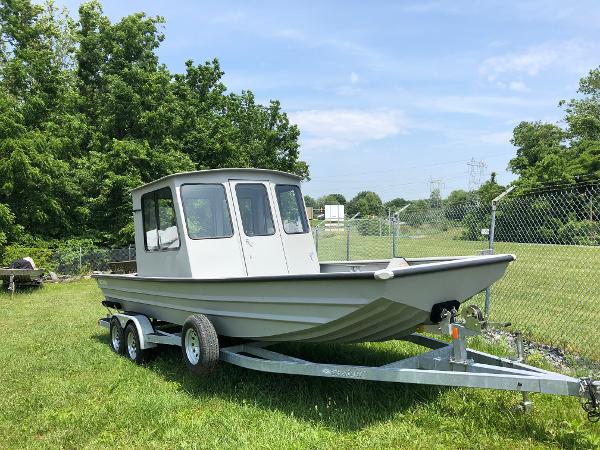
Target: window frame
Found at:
x=185, y=215
x=243, y=229
x=157, y=218
x=301, y=207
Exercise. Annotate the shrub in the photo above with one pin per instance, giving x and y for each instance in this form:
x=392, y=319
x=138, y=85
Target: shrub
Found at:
x=584, y=232
x=41, y=256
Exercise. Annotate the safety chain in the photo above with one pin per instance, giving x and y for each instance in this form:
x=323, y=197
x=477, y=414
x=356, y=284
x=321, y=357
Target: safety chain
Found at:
x=591, y=406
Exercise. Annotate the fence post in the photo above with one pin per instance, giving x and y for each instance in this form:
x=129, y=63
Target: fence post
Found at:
x=347, y=240
x=495, y=201
x=129, y=253
x=317, y=240
x=393, y=225
x=80, y=258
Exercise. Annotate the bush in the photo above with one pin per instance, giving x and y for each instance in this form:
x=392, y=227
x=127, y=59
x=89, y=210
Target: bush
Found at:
x=41, y=256
x=584, y=232
x=372, y=227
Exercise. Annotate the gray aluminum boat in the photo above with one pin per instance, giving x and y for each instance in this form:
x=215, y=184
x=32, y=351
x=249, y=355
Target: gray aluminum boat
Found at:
x=235, y=245
x=229, y=253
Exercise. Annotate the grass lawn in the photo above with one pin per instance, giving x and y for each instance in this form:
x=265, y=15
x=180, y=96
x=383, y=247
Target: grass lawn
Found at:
x=61, y=386
x=551, y=293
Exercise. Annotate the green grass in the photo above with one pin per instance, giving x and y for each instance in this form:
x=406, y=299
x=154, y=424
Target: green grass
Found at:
x=61, y=386
x=551, y=293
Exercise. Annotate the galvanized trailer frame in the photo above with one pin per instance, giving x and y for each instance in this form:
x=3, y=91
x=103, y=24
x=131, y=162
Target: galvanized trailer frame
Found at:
x=446, y=364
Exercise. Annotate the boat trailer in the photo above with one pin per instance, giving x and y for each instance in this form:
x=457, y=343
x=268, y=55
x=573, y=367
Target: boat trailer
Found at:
x=445, y=364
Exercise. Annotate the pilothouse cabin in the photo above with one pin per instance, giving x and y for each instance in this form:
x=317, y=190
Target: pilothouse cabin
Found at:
x=223, y=223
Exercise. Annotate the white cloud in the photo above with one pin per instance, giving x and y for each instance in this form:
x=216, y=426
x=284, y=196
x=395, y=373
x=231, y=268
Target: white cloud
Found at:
x=568, y=55
x=487, y=106
x=518, y=86
x=354, y=78
x=343, y=128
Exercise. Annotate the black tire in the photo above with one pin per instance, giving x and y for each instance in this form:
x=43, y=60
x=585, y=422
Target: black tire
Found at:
x=199, y=345
x=133, y=350
x=117, y=338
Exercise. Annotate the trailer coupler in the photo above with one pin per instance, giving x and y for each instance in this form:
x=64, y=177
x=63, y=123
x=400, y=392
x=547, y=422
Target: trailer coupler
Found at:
x=590, y=394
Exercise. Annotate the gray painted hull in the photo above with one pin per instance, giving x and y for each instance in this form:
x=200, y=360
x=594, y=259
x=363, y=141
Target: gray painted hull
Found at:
x=334, y=307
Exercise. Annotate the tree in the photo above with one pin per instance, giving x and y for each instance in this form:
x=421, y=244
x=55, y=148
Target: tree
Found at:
x=87, y=112
x=456, y=205
x=457, y=197
x=309, y=201
x=548, y=154
x=331, y=199
x=396, y=204
x=435, y=198
x=367, y=203
x=489, y=190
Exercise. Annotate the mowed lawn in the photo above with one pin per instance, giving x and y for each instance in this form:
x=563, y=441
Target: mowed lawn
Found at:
x=61, y=386
x=551, y=292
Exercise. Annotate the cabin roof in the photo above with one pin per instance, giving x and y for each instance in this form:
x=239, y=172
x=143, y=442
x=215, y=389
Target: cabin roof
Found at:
x=226, y=173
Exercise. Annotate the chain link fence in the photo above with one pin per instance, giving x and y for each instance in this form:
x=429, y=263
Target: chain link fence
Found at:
x=551, y=293
x=83, y=260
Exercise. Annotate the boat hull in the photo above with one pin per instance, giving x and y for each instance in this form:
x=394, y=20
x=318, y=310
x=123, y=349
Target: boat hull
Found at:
x=328, y=307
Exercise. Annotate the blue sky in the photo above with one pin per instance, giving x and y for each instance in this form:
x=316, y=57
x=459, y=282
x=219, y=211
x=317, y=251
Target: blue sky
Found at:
x=389, y=95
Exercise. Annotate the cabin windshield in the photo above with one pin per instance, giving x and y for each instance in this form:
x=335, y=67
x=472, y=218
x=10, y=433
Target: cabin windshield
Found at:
x=291, y=209
x=253, y=203
x=206, y=211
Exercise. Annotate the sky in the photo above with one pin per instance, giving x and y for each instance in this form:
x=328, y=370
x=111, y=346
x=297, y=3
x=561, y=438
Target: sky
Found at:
x=389, y=96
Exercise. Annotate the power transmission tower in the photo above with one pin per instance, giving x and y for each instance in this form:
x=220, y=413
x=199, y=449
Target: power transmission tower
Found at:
x=435, y=191
x=476, y=174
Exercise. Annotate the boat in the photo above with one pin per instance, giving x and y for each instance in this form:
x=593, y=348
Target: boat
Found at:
x=229, y=253
x=235, y=245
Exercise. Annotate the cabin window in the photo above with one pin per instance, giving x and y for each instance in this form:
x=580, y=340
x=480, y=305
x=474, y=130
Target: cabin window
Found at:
x=253, y=203
x=291, y=208
x=160, y=224
x=206, y=211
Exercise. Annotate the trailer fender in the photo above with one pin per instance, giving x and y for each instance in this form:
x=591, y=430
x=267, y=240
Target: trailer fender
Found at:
x=142, y=324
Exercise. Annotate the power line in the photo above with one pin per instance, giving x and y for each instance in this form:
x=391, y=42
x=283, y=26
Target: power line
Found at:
x=376, y=172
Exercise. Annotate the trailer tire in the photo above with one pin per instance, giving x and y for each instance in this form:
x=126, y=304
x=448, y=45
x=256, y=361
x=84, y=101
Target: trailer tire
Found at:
x=133, y=350
x=117, y=339
x=199, y=345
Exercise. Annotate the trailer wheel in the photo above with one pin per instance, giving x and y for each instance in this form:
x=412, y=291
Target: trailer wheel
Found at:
x=199, y=344
x=117, y=341
x=133, y=350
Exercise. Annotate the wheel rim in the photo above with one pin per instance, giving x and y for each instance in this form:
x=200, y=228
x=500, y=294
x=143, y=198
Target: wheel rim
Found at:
x=192, y=346
x=131, y=348
x=115, y=337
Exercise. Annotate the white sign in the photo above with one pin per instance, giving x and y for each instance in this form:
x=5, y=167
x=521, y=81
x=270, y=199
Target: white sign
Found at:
x=485, y=231
x=334, y=212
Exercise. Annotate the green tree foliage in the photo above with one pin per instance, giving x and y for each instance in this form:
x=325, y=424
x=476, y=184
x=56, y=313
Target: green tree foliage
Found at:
x=548, y=154
x=309, y=201
x=88, y=112
x=367, y=203
x=330, y=199
x=396, y=204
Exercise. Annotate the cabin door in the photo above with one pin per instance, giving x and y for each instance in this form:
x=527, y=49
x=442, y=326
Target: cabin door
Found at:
x=258, y=229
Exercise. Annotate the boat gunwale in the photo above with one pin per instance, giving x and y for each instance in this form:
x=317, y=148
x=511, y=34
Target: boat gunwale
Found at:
x=441, y=266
